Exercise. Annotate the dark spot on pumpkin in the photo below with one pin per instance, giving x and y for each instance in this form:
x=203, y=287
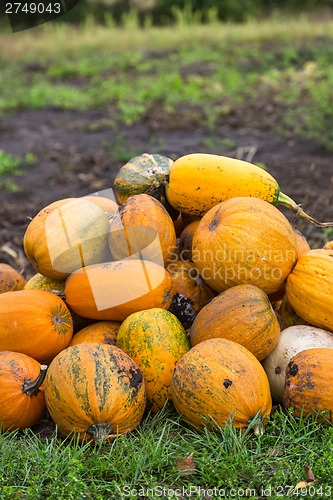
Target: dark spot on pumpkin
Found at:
x=227, y=383
x=182, y=308
x=197, y=188
x=293, y=369
x=213, y=225
x=278, y=370
x=135, y=377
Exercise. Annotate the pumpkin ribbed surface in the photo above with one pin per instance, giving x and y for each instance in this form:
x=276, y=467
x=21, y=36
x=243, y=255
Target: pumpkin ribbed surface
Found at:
x=156, y=340
x=309, y=288
x=114, y=290
x=95, y=390
x=21, y=391
x=244, y=241
x=34, y=322
x=219, y=379
x=142, y=228
x=103, y=332
x=309, y=382
x=243, y=314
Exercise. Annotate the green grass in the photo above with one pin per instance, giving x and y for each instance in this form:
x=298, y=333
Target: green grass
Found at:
x=148, y=460
x=203, y=72
x=12, y=165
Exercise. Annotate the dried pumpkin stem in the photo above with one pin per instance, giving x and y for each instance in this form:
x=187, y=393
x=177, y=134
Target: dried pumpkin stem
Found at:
x=283, y=199
x=100, y=431
x=31, y=387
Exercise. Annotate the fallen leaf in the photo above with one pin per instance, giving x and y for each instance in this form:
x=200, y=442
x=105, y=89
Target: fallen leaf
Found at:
x=310, y=477
x=186, y=465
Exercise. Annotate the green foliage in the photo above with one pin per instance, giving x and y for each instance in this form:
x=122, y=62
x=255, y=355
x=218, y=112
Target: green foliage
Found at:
x=147, y=459
x=11, y=165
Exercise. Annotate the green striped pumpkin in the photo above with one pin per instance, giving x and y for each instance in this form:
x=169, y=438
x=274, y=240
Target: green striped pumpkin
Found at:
x=95, y=391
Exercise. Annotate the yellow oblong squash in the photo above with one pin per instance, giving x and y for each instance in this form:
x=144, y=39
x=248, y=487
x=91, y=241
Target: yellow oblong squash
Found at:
x=199, y=181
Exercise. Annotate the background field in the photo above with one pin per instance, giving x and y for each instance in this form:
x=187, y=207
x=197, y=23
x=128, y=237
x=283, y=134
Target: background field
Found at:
x=77, y=102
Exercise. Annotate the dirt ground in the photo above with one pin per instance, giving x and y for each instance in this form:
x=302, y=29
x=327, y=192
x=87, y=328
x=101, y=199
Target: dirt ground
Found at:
x=79, y=153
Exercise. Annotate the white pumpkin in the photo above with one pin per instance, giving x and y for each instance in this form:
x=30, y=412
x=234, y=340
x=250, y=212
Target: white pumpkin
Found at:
x=292, y=340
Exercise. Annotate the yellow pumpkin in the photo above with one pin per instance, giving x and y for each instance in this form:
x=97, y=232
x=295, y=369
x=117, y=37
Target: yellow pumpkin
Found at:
x=309, y=288
x=65, y=236
x=244, y=241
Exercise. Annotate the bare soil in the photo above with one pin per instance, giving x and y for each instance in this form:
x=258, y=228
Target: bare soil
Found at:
x=79, y=153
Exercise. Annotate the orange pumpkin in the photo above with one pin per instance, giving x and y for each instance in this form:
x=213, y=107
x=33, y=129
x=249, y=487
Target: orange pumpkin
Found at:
x=244, y=241
x=301, y=242
x=95, y=391
x=219, y=381
x=103, y=332
x=309, y=288
x=114, y=290
x=21, y=391
x=328, y=245
x=185, y=241
x=142, y=228
x=242, y=314
x=156, y=340
x=10, y=279
x=35, y=323
x=186, y=281
x=65, y=236
x=309, y=383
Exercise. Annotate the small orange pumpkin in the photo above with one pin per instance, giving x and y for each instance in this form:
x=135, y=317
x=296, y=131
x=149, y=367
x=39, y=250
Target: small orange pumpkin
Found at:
x=142, y=228
x=156, y=340
x=242, y=314
x=219, y=381
x=95, y=391
x=309, y=383
x=103, y=332
x=34, y=322
x=10, y=279
x=114, y=290
x=244, y=241
x=21, y=391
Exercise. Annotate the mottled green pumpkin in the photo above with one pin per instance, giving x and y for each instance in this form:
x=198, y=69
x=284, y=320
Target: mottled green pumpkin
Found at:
x=95, y=391
x=146, y=173
x=156, y=340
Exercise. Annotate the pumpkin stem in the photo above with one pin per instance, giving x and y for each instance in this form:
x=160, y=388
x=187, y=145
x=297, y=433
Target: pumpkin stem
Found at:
x=100, y=431
x=31, y=387
x=283, y=199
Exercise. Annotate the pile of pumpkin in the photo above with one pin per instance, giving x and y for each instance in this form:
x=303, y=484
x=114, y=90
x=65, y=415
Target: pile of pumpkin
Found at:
x=192, y=289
